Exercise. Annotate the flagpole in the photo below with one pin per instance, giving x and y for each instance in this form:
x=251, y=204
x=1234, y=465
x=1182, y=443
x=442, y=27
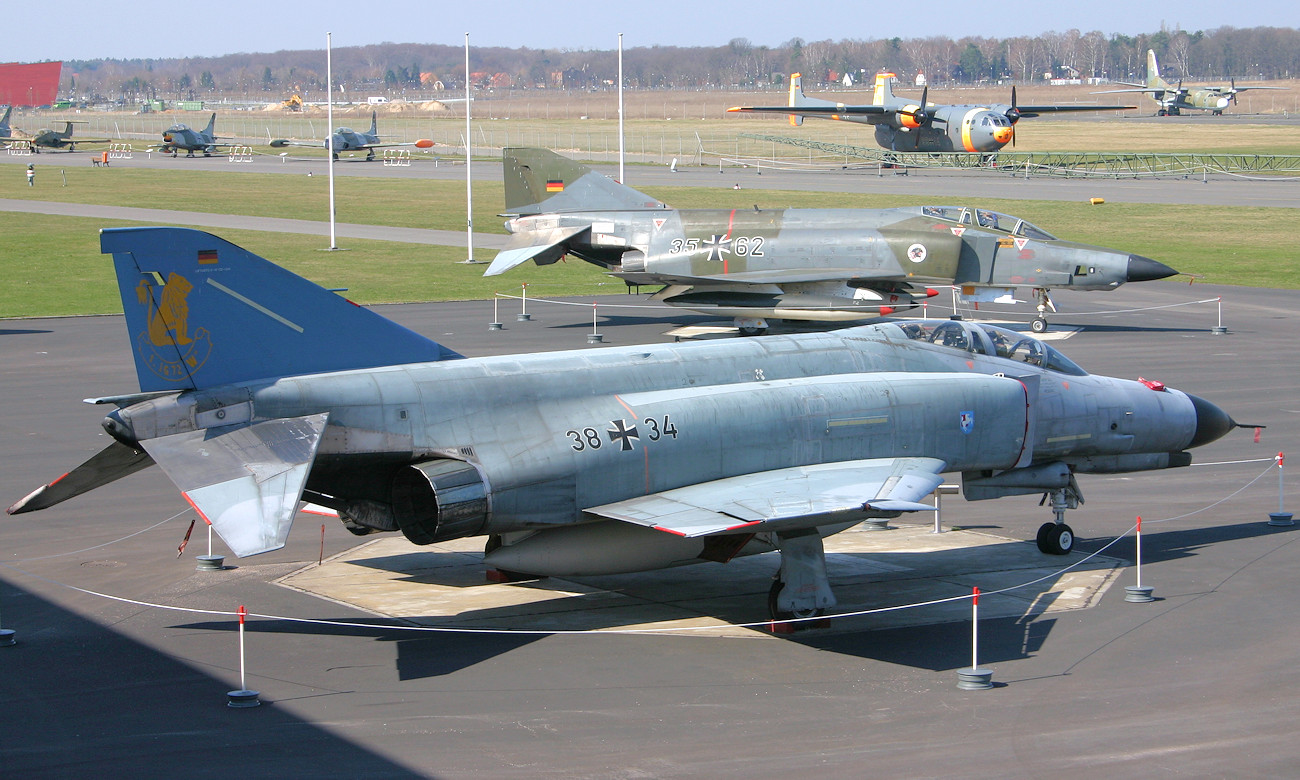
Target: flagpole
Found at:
x=469, y=183
x=621, y=180
x=329, y=139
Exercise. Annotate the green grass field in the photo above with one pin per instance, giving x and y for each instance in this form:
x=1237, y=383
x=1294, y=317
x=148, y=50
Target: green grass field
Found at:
x=52, y=265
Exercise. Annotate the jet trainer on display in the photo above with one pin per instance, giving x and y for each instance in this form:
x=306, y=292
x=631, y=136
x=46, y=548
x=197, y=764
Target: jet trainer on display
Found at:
x=258, y=389
x=345, y=139
x=181, y=136
x=1173, y=100
x=792, y=264
x=905, y=125
x=49, y=139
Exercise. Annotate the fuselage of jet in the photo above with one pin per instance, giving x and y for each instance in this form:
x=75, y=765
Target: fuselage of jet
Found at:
x=829, y=264
x=498, y=446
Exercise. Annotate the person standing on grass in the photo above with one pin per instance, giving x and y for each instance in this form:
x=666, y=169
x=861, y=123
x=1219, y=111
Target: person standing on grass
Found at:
x=31, y=175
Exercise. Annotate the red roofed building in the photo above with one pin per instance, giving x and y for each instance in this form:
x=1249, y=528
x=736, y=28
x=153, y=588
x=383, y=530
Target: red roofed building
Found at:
x=35, y=84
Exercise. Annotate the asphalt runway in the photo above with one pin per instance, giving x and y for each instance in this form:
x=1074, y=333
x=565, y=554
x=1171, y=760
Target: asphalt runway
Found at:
x=1200, y=682
x=944, y=186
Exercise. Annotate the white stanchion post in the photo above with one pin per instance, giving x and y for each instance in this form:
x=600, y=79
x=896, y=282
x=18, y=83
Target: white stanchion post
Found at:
x=210, y=562
x=1139, y=594
x=242, y=697
x=1218, y=329
x=523, y=315
x=1281, y=516
x=594, y=337
x=495, y=324
x=974, y=678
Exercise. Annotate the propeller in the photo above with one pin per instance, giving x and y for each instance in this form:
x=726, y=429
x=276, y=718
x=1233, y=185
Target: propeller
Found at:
x=1232, y=91
x=1013, y=113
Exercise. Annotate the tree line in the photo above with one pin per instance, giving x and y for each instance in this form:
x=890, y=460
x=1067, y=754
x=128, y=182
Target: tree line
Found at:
x=425, y=69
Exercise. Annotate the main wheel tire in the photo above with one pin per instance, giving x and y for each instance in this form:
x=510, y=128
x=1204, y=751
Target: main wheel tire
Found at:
x=752, y=331
x=779, y=615
x=1038, y=325
x=1060, y=540
x=1043, y=531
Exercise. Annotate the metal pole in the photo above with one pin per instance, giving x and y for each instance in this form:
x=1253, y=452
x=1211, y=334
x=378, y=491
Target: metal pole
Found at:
x=974, y=629
x=469, y=186
x=329, y=139
x=621, y=180
x=243, y=612
x=1139, y=551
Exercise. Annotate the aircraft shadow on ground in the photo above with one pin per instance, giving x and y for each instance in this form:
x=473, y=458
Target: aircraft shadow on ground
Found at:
x=20, y=332
x=81, y=697
x=938, y=644
x=1172, y=545
x=1094, y=328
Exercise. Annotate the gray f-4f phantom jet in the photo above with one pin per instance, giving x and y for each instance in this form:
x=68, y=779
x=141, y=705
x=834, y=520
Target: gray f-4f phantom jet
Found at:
x=259, y=389
x=792, y=264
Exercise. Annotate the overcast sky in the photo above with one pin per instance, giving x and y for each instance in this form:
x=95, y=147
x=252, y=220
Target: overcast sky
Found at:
x=76, y=29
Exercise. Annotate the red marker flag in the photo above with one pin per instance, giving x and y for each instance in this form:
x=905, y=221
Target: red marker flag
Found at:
x=181, y=550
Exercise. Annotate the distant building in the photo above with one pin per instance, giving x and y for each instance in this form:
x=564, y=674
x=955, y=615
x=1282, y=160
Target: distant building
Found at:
x=29, y=84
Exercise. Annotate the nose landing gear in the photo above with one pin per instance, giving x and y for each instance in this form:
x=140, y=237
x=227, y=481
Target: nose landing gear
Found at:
x=1057, y=538
x=1039, y=323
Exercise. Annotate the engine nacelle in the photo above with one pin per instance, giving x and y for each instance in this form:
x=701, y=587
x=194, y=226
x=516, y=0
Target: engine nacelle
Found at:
x=439, y=500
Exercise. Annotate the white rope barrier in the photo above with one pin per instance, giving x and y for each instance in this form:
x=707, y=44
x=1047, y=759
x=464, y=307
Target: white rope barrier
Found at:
x=640, y=631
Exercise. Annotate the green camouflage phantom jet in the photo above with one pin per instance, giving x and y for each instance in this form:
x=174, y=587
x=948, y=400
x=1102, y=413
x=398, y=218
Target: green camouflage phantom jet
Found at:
x=904, y=125
x=1174, y=99
x=792, y=264
x=49, y=139
x=258, y=389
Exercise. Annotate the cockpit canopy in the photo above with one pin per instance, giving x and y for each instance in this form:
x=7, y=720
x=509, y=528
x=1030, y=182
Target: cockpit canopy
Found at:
x=985, y=218
x=984, y=339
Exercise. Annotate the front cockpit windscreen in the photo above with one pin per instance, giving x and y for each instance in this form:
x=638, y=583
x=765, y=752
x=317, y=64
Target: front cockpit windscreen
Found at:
x=993, y=220
x=991, y=340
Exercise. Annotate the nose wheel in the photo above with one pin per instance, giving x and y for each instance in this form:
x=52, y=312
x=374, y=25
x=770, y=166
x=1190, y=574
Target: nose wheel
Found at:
x=1057, y=538
x=1039, y=323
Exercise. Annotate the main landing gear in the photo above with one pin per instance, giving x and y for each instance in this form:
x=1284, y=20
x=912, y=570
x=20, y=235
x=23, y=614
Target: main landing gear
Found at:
x=1057, y=538
x=1039, y=323
x=751, y=326
x=801, y=588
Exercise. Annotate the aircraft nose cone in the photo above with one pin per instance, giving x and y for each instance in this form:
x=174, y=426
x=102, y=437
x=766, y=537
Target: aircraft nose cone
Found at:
x=1211, y=422
x=1144, y=269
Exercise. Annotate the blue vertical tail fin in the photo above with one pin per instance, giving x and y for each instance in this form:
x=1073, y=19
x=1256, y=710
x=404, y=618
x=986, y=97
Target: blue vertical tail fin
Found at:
x=202, y=312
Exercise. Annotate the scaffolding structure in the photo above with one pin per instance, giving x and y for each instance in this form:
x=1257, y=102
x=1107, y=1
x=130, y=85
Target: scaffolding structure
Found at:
x=1113, y=165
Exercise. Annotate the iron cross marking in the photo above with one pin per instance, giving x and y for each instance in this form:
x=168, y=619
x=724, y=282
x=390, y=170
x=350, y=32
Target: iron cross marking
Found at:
x=717, y=246
x=622, y=435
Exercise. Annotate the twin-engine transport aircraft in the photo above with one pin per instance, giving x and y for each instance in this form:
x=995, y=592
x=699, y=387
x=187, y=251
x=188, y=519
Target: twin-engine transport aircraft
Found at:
x=259, y=389
x=792, y=264
x=903, y=125
x=1173, y=100
x=345, y=139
